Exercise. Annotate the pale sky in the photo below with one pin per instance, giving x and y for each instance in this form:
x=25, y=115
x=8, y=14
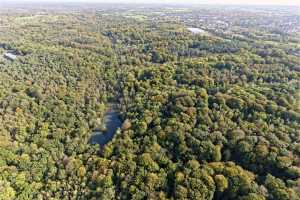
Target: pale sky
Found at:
x=239, y=2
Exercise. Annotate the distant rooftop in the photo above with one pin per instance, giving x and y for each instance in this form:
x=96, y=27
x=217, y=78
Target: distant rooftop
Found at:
x=10, y=56
x=196, y=30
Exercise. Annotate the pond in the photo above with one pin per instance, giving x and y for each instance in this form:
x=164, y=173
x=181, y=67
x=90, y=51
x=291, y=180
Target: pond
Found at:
x=112, y=123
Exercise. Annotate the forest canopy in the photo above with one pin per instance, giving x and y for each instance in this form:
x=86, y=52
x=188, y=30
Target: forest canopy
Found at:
x=208, y=115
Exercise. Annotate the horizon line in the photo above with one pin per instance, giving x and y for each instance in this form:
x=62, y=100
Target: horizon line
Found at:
x=139, y=3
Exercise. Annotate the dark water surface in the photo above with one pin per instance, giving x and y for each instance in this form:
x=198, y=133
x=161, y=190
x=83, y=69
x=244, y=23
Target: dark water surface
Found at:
x=112, y=122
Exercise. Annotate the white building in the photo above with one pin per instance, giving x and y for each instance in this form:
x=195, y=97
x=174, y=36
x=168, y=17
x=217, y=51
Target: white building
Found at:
x=10, y=56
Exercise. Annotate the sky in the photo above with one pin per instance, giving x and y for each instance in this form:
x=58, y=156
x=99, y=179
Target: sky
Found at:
x=239, y=2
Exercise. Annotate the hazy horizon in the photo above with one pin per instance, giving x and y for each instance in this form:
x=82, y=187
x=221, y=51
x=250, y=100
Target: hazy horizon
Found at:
x=213, y=2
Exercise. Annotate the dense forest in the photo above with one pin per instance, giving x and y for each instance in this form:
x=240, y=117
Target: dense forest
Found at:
x=210, y=115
